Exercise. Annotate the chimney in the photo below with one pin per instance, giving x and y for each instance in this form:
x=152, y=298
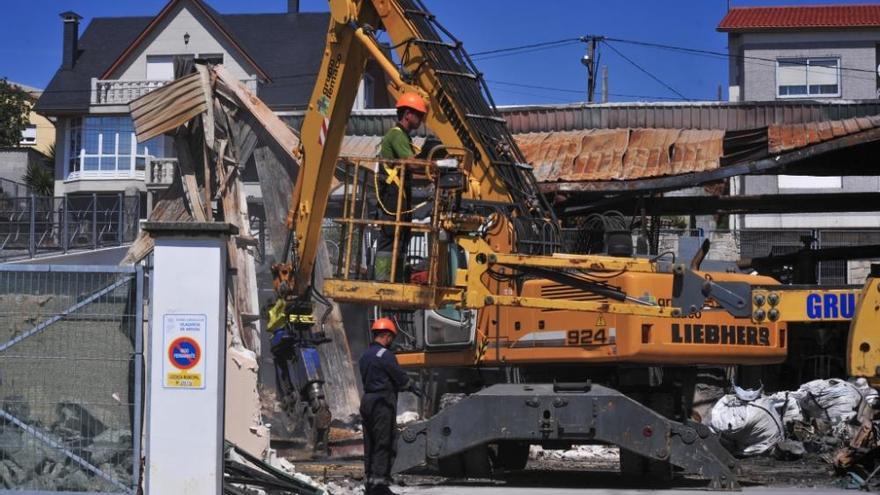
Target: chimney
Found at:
x=293, y=6
x=71, y=37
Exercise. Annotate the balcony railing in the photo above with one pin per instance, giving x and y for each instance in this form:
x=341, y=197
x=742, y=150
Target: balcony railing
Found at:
x=160, y=172
x=121, y=92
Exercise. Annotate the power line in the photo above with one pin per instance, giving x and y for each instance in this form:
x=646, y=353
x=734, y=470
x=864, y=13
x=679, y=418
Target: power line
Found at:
x=646, y=71
x=533, y=95
x=548, y=44
x=576, y=91
x=697, y=51
x=523, y=52
x=530, y=86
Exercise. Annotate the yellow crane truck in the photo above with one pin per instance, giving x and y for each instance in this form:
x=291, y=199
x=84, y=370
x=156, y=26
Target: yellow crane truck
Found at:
x=501, y=292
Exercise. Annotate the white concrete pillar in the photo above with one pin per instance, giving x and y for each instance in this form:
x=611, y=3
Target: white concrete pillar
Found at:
x=184, y=443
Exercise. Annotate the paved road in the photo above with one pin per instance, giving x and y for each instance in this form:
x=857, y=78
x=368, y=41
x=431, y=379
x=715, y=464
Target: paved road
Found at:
x=105, y=256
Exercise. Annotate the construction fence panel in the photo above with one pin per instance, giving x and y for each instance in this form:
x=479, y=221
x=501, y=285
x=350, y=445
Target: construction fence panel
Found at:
x=71, y=373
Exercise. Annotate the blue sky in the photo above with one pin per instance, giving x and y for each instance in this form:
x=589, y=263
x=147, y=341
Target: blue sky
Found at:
x=30, y=41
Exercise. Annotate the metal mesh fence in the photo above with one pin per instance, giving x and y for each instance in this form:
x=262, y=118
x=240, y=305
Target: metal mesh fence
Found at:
x=758, y=243
x=70, y=378
x=837, y=272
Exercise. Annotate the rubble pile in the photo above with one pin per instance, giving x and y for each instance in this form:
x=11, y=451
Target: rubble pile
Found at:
x=64, y=455
x=836, y=419
x=576, y=453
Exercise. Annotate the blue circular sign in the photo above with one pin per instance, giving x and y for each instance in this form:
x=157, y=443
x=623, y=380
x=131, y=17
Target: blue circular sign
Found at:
x=184, y=353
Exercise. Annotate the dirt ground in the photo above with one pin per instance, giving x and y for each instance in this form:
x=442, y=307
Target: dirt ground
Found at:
x=593, y=467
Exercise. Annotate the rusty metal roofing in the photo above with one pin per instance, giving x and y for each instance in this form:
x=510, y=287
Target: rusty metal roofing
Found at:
x=792, y=136
x=800, y=17
x=637, y=153
x=620, y=154
x=687, y=115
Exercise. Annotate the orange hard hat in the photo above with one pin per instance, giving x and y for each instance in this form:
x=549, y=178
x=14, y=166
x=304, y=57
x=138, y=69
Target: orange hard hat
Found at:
x=414, y=101
x=384, y=325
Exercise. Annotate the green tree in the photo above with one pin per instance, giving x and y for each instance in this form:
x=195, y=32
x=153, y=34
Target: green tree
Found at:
x=40, y=180
x=14, y=108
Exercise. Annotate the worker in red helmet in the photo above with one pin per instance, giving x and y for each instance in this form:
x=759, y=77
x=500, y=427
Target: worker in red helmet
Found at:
x=396, y=145
x=382, y=379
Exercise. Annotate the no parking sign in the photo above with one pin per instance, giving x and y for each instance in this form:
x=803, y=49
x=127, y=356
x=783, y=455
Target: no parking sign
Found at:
x=184, y=363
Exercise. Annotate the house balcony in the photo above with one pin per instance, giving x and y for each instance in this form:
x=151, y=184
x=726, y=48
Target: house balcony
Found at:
x=122, y=92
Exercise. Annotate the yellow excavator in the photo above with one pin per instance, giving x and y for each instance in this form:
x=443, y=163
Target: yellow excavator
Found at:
x=495, y=291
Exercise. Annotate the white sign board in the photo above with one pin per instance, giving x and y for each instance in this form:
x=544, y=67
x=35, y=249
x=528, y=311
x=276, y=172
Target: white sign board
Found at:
x=185, y=349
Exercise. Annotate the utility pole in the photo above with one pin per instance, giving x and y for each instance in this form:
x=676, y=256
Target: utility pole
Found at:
x=590, y=62
x=604, y=84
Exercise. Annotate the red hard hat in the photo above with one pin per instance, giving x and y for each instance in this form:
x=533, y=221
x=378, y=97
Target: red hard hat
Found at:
x=414, y=101
x=384, y=325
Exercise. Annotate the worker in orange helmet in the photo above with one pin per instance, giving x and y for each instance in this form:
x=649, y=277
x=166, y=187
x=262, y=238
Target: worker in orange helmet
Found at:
x=382, y=378
x=396, y=145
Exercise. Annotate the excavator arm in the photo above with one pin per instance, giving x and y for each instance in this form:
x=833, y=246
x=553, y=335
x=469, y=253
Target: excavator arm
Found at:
x=460, y=113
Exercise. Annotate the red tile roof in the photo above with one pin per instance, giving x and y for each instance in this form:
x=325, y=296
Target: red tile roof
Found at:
x=801, y=17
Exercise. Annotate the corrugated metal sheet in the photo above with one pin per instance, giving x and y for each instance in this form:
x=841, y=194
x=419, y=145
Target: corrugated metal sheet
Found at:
x=168, y=107
x=792, y=136
x=708, y=116
x=620, y=154
x=699, y=115
x=629, y=154
x=560, y=152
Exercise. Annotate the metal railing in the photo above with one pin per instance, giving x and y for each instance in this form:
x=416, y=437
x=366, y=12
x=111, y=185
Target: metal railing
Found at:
x=71, y=361
x=121, y=92
x=35, y=225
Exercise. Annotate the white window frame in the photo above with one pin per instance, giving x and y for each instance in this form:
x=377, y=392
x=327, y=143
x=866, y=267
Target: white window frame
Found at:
x=807, y=62
x=28, y=138
x=126, y=169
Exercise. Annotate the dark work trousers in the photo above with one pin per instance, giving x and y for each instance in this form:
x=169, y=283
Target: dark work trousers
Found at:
x=379, y=414
x=385, y=243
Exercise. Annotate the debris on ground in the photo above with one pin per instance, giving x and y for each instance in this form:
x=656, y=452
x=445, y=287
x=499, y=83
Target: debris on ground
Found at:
x=75, y=452
x=407, y=417
x=245, y=474
x=749, y=424
x=587, y=453
x=834, y=419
